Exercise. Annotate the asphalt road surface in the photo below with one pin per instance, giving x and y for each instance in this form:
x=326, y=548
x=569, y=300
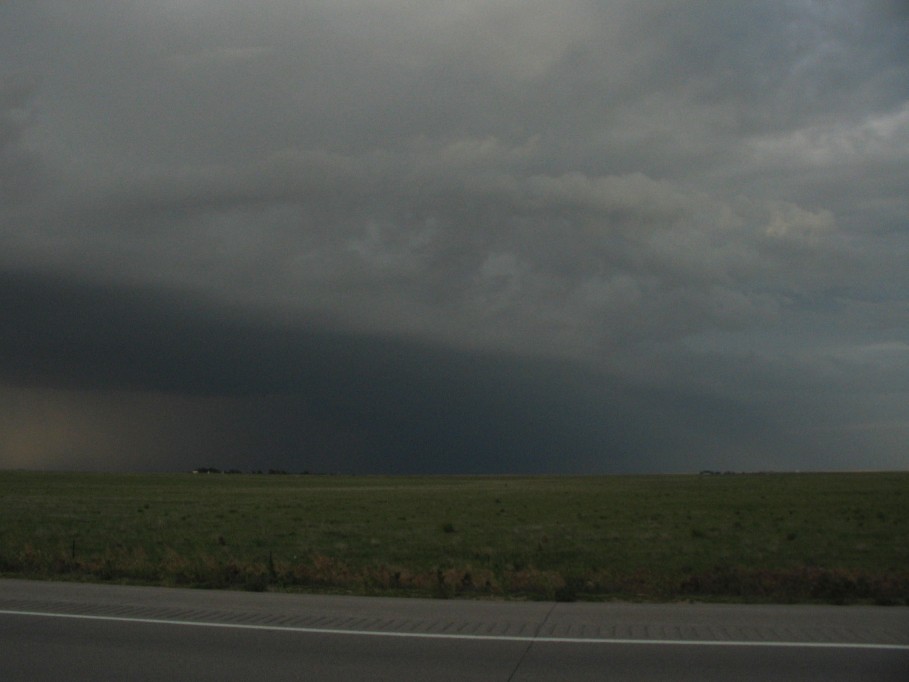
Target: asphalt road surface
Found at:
x=55, y=631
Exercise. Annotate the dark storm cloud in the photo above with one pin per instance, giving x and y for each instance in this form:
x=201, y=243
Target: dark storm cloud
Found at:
x=626, y=232
x=268, y=395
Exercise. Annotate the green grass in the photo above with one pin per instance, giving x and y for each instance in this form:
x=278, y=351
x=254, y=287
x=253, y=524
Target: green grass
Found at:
x=768, y=537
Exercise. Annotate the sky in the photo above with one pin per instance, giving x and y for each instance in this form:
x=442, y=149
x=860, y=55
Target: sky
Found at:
x=454, y=236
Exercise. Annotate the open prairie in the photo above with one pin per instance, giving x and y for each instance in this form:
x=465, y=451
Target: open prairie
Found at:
x=839, y=537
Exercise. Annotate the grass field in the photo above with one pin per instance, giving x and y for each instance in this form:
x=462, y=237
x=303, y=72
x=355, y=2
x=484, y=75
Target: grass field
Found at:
x=763, y=537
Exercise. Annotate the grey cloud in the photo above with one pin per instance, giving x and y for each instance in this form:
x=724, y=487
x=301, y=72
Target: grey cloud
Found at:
x=148, y=383
x=22, y=174
x=452, y=252
x=654, y=194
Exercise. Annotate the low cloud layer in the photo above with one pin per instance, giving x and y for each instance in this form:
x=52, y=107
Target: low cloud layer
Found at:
x=399, y=236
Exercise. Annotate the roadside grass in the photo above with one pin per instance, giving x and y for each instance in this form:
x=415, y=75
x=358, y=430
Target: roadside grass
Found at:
x=836, y=538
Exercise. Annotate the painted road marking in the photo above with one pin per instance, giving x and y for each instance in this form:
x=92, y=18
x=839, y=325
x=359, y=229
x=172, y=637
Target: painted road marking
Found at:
x=454, y=636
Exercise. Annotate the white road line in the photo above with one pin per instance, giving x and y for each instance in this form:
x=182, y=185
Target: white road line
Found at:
x=490, y=638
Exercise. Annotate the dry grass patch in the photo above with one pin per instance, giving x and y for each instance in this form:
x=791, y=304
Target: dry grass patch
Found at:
x=785, y=538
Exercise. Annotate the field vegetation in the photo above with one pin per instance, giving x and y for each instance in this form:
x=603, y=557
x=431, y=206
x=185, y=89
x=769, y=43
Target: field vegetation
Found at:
x=838, y=538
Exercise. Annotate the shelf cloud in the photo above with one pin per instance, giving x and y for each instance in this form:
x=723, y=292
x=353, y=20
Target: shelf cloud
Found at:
x=402, y=236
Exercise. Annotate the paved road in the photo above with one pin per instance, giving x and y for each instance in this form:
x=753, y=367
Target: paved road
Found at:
x=52, y=631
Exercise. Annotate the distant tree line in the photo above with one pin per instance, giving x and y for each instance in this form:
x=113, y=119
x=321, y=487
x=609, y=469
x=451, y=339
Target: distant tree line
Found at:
x=272, y=472
x=711, y=472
